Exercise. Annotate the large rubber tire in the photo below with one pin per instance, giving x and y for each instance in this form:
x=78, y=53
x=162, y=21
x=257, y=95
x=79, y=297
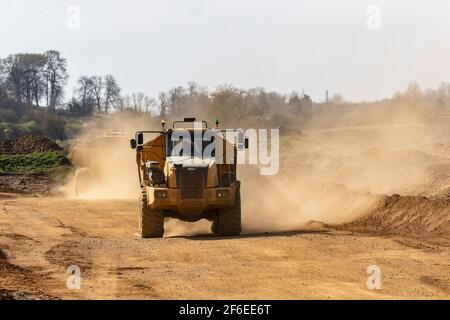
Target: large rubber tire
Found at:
x=228, y=220
x=151, y=222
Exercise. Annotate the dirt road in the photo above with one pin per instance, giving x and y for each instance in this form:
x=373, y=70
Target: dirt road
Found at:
x=41, y=237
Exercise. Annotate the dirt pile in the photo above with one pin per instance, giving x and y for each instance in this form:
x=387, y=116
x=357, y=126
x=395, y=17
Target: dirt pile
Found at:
x=29, y=144
x=32, y=182
x=410, y=216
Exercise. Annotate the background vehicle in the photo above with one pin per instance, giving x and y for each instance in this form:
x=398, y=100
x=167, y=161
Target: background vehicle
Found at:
x=90, y=156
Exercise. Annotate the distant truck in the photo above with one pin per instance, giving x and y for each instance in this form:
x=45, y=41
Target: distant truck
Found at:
x=89, y=156
x=179, y=181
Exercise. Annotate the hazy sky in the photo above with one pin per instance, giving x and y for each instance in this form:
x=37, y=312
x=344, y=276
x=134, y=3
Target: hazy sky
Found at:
x=280, y=45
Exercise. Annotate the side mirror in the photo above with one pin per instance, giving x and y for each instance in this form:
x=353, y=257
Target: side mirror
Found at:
x=133, y=144
x=246, y=143
x=140, y=139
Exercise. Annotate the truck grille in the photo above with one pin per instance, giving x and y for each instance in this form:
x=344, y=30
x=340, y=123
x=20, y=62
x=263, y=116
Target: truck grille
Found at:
x=191, y=181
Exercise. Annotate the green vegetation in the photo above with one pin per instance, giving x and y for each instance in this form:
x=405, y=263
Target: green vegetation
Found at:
x=30, y=163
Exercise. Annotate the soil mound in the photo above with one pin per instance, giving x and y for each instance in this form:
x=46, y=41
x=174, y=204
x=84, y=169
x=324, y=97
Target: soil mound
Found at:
x=410, y=216
x=29, y=144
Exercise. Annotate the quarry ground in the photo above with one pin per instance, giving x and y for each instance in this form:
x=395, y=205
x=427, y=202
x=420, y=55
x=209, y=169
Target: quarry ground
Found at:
x=40, y=237
x=344, y=200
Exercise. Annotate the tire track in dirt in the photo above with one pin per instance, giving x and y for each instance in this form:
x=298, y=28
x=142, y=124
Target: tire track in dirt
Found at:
x=68, y=253
x=437, y=282
x=74, y=230
x=22, y=284
x=314, y=261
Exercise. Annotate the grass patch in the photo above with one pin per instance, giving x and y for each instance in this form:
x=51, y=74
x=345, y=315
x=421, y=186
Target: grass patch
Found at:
x=30, y=163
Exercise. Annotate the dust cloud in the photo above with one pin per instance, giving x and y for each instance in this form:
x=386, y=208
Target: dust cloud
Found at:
x=330, y=175
x=106, y=163
x=338, y=175
x=176, y=228
x=289, y=203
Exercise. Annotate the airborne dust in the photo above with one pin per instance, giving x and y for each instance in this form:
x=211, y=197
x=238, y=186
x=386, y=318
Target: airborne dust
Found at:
x=327, y=175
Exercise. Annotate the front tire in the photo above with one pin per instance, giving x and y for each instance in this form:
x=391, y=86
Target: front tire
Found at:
x=228, y=220
x=151, y=222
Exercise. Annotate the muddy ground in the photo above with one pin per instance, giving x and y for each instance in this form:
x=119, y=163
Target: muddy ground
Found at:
x=41, y=237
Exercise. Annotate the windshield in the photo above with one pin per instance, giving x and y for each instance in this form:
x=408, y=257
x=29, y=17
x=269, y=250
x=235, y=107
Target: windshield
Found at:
x=187, y=144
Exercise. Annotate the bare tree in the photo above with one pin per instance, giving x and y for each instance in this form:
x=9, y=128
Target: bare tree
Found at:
x=192, y=88
x=16, y=78
x=125, y=102
x=230, y=103
x=37, y=78
x=112, y=93
x=149, y=103
x=163, y=103
x=176, y=97
x=26, y=74
x=97, y=90
x=85, y=94
x=138, y=101
x=413, y=92
x=56, y=77
x=30, y=67
x=12, y=76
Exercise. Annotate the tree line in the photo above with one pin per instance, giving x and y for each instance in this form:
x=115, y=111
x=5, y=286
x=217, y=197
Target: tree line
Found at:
x=39, y=80
x=33, y=99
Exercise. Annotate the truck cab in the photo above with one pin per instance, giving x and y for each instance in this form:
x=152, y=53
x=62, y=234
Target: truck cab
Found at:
x=188, y=173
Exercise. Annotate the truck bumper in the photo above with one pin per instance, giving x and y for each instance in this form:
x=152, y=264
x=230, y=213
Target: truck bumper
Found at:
x=170, y=199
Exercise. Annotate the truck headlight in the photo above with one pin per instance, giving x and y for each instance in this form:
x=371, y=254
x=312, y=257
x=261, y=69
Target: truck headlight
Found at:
x=222, y=194
x=160, y=194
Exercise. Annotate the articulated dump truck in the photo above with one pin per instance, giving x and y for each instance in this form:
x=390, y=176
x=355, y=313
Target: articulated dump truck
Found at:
x=188, y=172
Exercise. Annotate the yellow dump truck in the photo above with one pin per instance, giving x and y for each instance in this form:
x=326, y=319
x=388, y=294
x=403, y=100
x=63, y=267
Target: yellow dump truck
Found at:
x=188, y=173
